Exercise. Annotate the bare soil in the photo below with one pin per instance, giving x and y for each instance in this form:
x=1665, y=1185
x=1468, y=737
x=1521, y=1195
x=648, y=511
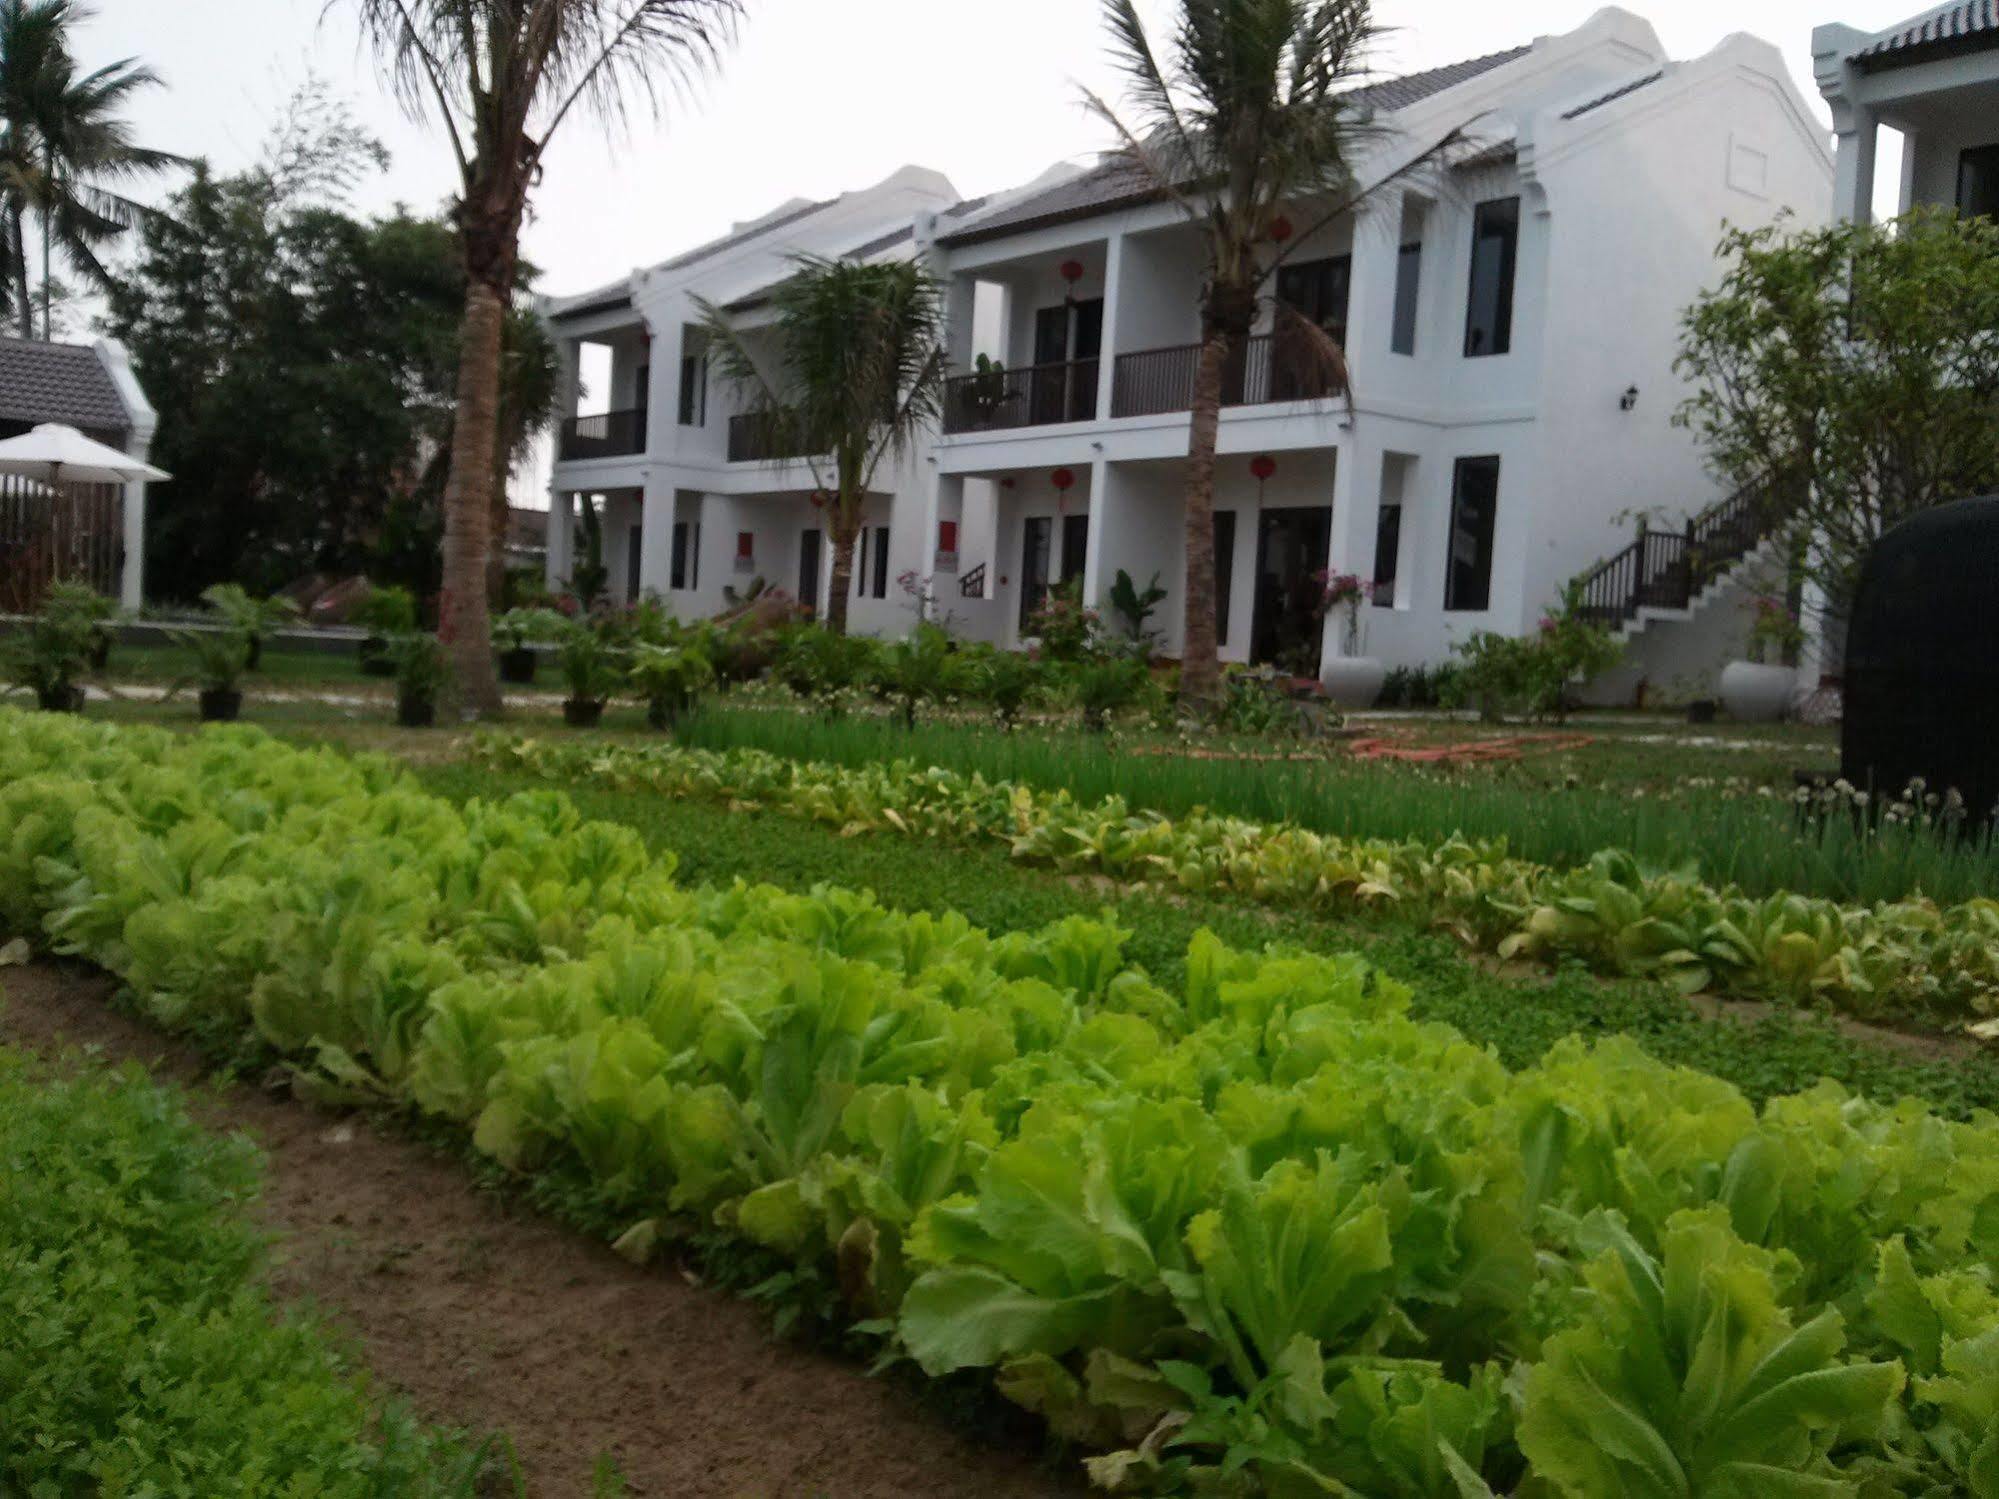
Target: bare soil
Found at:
x=490, y=1317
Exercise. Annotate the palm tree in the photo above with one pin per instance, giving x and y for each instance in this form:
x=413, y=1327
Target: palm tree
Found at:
x=1250, y=116
x=501, y=76
x=859, y=374
x=64, y=151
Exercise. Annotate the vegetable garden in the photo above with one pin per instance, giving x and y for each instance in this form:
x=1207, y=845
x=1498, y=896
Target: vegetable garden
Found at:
x=1257, y=1230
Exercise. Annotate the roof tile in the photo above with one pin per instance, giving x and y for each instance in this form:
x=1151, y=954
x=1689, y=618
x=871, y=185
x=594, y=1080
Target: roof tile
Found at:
x=68, y=383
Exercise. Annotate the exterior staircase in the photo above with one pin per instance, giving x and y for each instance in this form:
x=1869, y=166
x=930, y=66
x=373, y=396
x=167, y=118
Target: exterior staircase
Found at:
x=1663, y=574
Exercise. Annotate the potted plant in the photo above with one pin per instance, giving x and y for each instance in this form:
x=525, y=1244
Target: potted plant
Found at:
x=220, y=659
x=591, y=670
x=671, y=678
x=49, y=654
x=1351, y=679
x=515, y=635
x=384, y=612
x=250, y=617
x=91, y=611
x=423, y=675
x=1760, y=688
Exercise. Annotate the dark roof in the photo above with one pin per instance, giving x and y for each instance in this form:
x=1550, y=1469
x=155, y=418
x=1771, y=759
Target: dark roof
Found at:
x=742, y=236
x=881, y=242
x=59, y=383
x=1965, y=26
x=1115, y=183
x=1615, y=94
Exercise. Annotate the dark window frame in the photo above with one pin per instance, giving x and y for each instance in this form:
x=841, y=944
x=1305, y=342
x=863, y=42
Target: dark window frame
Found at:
x=1225, y=529
x=1492, y=282
x=693, y=390
x=1474, y=595
x=1387, y=552
x=1408, y=297
x=1980, y=160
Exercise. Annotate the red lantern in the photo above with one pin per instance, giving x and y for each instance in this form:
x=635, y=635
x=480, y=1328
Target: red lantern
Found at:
x=1062, y=478
x=1280, y=229
x=818, y=499
x=1072, y=271
x=1263, y=466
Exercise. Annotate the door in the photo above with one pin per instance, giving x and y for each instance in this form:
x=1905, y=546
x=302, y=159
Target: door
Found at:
x=632, y=562
x=811, y=547
x=1291, y=548
x=1087, y=346
x=1036, y=532
x=1075, y=546
x=1317, y=291
x=1051, y=356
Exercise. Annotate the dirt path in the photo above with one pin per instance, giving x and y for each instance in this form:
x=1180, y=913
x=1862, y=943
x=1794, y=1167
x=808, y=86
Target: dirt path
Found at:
x=490, y=1317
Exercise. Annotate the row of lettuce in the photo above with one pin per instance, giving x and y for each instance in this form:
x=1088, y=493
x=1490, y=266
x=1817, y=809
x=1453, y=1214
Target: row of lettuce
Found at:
x=141, y=1353
x=1907, y=960
x=1263, y=1234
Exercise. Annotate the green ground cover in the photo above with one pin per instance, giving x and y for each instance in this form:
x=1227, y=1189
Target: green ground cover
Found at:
x=1263, y=1228
x=141, y=1354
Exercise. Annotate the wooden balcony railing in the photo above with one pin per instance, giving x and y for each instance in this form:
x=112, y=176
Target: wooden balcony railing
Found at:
x=1037, y=395
x=608, y=434
x=1152, y=381
x=758, y=437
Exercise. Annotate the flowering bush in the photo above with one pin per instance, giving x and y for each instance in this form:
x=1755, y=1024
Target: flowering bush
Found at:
x=1341, y=593
x=1532, y=673
x=1774, y=631
x=1064, y=627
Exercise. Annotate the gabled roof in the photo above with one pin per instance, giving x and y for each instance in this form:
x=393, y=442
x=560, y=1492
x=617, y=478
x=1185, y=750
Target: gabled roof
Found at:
x=1115, y=183
x=1962, y=26
x=68, y=383
x=1613, y=95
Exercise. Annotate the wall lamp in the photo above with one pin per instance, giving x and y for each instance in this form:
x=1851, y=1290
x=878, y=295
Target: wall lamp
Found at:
x=1629, y=399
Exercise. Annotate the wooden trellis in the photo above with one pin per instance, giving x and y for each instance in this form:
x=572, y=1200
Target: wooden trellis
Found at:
x=64, y=531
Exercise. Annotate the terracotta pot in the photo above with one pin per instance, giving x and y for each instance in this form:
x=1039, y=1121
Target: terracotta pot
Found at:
x=1353, y=681
x=1754, y=693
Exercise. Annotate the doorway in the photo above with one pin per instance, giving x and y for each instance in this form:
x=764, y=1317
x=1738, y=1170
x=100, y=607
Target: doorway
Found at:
x=1036, y=533
x=1068, y=341
x=1291, y=548
x=811, y=546
x=1075, y=547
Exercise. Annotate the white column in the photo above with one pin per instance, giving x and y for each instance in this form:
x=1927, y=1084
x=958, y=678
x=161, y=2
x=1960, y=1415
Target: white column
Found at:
x=1114, y=322
x=561, y=538
x=1095, y=571
x=1853, y=173
x=132, y=579
x=656, y=516
x=943, y=499
x=1351, y=476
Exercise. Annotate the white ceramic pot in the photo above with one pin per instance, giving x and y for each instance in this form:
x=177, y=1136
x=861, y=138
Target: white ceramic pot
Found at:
x=1754, y=693
x=1353, y=681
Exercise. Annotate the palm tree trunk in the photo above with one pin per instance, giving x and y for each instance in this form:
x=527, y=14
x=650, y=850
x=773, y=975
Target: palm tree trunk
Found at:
x=17, y=250
x=463, y=619
x=842, y=584
x=1200, y=666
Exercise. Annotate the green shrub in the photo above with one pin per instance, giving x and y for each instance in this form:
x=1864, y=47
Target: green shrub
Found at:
x=141, y=1354
x=671, y=679
x=385, y=609
x=592, y=667
x=1532, y=673
x=50, y=653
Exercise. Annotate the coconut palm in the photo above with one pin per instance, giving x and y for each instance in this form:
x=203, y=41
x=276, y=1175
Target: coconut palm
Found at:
x=857, y=377
x=500, y=77
x=64, y=151
x=1249, y=116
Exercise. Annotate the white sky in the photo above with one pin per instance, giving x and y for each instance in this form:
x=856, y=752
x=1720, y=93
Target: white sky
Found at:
x=818, y=96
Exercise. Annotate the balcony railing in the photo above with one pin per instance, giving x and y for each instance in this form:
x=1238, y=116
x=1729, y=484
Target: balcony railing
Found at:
x=1037, y=395
x=758, y=437
x=608, y=434
x=1153, y=381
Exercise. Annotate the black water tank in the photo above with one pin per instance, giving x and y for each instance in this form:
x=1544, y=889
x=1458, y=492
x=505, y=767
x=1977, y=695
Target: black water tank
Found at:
x=1922, y=658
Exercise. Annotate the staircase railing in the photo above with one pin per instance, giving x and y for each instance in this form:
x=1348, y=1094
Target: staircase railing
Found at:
x=1670, y=569
x=973, y=584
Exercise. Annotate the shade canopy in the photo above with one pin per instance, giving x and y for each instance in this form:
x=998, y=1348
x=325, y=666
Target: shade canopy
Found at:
x=63, y=455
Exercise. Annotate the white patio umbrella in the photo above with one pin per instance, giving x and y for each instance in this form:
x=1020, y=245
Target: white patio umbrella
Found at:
x=63, y=455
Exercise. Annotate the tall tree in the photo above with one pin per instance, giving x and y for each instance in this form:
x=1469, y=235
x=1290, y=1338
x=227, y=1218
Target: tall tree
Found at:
x=304, y=363
x=857, y=376
x=65, y=153
x=1249, y=116
x=501, y=76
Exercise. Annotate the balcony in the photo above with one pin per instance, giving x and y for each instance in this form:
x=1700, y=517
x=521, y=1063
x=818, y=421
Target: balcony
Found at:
x=1155, y=381
x=608, y=434
x=757, y=437
x=1037, y=395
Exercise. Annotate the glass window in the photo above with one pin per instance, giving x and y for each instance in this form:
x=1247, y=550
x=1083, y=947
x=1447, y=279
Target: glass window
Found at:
x=1224, y=572
x=1318, y=290
x=677, y=571
x=1495, y=242
x=1978, y=181
x=1408, y=281
x=1474, y=508
x=693, y=391
x=881, y=562
x=1387, y=544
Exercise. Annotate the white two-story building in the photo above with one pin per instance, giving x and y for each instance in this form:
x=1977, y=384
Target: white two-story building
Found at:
x=1511, y=318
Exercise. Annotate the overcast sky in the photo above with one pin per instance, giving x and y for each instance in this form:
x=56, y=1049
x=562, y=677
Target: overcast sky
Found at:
x=818, y=96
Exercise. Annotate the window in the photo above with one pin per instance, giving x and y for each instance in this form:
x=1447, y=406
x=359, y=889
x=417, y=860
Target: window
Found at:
x=1075, y=546
x=1408, y=280
x=871, y=575
x=1224, y=571
x=1978, y=182
x=1317, y=290
x=1474, y=507
x=693, y=390
x=881, y=562
x=1036, y=534
x=684, y=571
x=1495, y=243
x=632, y=560
x=1387, y=545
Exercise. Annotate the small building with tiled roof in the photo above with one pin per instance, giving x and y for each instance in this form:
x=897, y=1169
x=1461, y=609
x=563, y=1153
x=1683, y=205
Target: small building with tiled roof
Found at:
x=92, y=388
x=1933, y=78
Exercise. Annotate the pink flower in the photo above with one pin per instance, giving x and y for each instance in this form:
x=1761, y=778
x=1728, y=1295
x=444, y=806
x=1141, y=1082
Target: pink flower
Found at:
x=1547, y=625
